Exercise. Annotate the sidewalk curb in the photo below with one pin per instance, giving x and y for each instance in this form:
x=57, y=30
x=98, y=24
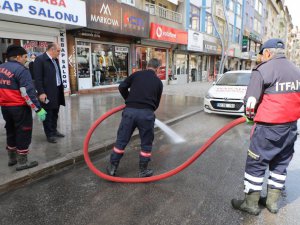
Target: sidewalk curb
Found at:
x=24, y=177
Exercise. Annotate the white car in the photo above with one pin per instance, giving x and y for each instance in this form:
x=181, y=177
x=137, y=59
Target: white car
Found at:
x=226, y=96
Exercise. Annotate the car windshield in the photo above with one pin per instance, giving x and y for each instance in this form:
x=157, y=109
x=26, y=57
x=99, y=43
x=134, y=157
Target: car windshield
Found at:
x=234, y=79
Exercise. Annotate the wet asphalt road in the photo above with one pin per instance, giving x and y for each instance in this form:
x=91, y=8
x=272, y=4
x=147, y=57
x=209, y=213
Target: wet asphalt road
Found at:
x=199, y=195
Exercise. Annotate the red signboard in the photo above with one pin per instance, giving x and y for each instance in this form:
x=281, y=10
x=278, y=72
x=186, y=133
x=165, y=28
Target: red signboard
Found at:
x=169, y=34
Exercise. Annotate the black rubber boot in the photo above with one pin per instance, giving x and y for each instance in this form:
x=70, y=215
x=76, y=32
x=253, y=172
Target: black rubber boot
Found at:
x=111, y=169
x=144, y=172
x=12, y=157
x=23, y=163
x=249, y=204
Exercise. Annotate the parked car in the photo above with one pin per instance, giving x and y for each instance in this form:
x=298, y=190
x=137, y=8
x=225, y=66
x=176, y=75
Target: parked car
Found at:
x=226, y=96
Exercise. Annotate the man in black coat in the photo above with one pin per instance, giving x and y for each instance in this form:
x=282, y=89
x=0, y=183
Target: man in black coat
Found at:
x=50, y=88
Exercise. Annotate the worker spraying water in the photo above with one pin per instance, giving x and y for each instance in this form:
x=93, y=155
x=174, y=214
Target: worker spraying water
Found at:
x=142, y=92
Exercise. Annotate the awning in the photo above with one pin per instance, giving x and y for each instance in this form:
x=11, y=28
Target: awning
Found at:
x=173, y=1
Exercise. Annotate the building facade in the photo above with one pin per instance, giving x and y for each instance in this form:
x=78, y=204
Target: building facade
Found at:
x=254, y=25
x=33, y=24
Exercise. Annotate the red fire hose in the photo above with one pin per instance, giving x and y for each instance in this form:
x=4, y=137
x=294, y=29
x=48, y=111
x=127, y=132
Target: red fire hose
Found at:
x=157, y=177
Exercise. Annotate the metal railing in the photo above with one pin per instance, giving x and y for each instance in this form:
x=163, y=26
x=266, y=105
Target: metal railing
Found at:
x=163, y=12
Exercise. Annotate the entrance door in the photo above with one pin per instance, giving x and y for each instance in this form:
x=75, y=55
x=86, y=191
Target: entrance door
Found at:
x=83, y=58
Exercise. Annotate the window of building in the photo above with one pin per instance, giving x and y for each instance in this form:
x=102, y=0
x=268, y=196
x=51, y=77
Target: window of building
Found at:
x=258, y=6
x=230, y=32
x=251, y=22
x=257, y=25
x=247, y=20
x=195, y=18
x=239, y=9
x=221, y=27
x=129, y=2
x=237, y=35
x=231, y=5
x=209, y=24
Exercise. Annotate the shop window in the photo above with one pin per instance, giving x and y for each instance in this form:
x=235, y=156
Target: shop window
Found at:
x=109, y=64
x=181, y=64
x=129, y=2
x=144, y=54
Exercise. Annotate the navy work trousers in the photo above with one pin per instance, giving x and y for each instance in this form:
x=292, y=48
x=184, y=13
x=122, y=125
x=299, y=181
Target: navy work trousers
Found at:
x=18, y=125
x=132, y=118
x=271, y=147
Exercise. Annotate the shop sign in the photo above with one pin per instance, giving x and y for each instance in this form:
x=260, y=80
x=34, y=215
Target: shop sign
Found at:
x=168, y=34
x=195, y=41
x=245, y=44
x=121, y=49
x=210, y=47
x=35, y=44
x=60, y=11
x=63, y=61
x=112, y=16
x=245, y=55
x=255, y=38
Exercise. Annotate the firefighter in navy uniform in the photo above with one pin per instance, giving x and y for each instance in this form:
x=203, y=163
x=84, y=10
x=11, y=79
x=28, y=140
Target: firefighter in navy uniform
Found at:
x=273, y=102
x=141, y=102
x=17, y=98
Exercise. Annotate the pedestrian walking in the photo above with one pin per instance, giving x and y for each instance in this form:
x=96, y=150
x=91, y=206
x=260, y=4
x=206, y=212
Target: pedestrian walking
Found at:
x=17, y=98
x=272, y=100
x=48, y=83
x=141, y=101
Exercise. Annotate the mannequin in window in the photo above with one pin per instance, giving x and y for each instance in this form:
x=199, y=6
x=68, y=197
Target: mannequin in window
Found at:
x=103, y=65
x=97, y=75
x=111, y=64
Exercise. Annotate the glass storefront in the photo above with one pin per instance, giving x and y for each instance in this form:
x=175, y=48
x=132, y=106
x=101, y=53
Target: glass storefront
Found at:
x=195, y=68
x=181, y=64
x=101, y=64
x=33, y=48
x=144, y=54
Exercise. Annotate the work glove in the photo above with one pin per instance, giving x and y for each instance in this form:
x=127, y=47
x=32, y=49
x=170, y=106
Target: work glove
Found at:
x=41, y=114
x=250, y=107
x=249, y=121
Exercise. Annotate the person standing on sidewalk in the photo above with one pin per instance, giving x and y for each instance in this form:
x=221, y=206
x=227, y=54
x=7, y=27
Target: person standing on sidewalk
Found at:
x=141, y=102
x=17, y=98
x=48, y=83
x=272, y=100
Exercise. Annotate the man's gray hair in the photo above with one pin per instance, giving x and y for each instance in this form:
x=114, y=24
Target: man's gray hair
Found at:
x=276, y=51
x=51, y=45
x=153, y=63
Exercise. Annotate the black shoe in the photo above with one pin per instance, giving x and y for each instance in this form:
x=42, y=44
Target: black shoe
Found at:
x=144, y=171
x=51, y=139
x=111, y=169
x=58, y=134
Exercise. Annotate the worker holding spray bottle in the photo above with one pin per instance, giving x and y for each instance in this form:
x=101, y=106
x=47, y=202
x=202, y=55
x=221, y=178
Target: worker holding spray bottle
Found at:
x=272, y=101
x=142, y=92
x=17, y=99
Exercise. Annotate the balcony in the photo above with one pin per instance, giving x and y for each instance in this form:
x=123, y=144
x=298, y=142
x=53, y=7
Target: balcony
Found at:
x=163, y=12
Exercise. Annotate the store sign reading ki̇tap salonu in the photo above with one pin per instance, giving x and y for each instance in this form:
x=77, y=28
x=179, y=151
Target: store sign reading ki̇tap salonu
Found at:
x=71, y=12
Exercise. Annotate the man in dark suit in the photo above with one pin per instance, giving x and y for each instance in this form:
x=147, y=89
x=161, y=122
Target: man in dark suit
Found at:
x=50, y=88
